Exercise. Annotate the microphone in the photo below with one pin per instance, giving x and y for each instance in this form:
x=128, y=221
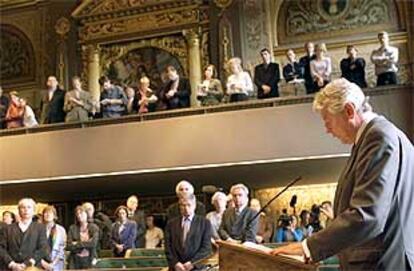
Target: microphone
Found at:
x=271, y=200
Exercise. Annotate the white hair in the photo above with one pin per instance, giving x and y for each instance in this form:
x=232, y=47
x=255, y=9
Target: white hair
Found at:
x=239, y=186
x=177, y=187
x=29, y=200
x=218, y=195
x=339, y=92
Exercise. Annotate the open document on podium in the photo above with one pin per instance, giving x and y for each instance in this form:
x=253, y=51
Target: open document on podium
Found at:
x=267, y=250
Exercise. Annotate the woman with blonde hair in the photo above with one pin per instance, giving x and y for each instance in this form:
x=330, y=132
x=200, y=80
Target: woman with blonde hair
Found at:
x=321, y=67
x=145, y=99
x=239, y=83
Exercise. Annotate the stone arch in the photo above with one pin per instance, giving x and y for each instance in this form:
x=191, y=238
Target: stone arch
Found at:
x=17, y=58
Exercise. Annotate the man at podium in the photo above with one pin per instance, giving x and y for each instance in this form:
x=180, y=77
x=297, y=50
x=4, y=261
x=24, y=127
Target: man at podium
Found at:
x=373, y=202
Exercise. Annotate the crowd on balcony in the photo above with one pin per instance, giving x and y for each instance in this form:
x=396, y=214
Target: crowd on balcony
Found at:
x=30, y=239
x=312, y=72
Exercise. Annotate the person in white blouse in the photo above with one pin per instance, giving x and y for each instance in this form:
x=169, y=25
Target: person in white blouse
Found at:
x=321, y=67
x=239, y=83
x=385, y=59
x=154, y=236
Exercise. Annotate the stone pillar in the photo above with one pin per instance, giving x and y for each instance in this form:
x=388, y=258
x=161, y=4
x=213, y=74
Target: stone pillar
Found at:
x=93, y=72
x=194, y=62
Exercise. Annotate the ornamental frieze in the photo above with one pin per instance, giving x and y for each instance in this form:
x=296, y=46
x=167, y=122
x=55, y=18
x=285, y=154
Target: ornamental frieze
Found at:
x=145, y=22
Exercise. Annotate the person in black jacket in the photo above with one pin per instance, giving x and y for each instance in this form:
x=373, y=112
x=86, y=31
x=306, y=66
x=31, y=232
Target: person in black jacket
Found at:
x=305, y=63
x=53, y=100
x=177, y=91
x=187, y=237
x=24, y=243
x=353, y=67
x=267, y=76
x=4, y=105
x=292, y=70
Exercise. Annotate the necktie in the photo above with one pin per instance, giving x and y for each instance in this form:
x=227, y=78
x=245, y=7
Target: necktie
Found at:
x=237, y=212
x=186, y=228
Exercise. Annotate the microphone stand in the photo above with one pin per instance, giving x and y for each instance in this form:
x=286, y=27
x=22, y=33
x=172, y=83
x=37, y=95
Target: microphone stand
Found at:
x=272, y=199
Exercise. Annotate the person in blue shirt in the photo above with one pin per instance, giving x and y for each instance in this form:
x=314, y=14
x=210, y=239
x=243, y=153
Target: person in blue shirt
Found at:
x=289, y=232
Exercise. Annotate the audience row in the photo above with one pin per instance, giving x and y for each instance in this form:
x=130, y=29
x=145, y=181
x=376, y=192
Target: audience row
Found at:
x=312, y=70
x=190, y=233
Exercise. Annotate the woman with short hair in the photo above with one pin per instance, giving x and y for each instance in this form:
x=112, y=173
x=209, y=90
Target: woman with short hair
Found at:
x=124, y=232
x=321, y=67
x=239, y=83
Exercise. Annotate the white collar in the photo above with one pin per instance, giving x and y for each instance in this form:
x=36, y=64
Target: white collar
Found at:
x=366, y=118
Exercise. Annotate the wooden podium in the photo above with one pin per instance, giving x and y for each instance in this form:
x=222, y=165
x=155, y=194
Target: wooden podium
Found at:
x=235, y=257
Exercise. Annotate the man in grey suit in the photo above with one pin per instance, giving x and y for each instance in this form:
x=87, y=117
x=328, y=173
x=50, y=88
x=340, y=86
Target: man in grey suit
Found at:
x=237, y=224
x=373, y=205
x=187, y=237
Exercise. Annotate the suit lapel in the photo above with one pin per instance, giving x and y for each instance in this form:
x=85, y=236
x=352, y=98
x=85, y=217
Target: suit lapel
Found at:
x=342, y=182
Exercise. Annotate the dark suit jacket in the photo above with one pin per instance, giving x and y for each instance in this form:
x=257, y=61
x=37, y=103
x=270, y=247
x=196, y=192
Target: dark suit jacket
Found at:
x=197, y=245
x=139, y=218
x=267, y=76
x=236, y=227
x=291, y=72
x=354, y=71
x=373, y=206
x=21, y=247
x=126, y=237
x=52, y=111
x=305, y=64
x=91, y=244
x=174, y=210
x=181, y=99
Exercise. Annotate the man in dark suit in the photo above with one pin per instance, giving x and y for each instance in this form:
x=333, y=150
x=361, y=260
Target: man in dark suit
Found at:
x=305, y=63
x=177, y=91
x=373, y=206
x=24, y=243
x=187, y=237
x=267, y=76
x=237, y=224
x=139, y=217
x=52, y=103
x=184, y=188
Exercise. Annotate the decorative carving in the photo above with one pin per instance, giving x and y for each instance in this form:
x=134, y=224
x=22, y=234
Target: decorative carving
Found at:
x=62, y=26
x=140, y=23
x=17, y=62
x=205, y=54
x=223, y=3
x=300, y=18
x=226, y=44
x=254, y=23
x=128, y=62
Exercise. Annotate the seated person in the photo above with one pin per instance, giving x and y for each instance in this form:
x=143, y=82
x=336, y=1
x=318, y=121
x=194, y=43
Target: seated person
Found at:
x=78, y=102
x=210, y=91
x=320, y=67
x=292, y=70
x=177, y=91
x=83, y=238
x=113, y=99
x=239, y=84
x=288, y=231
x=385, y=59
x=23, y=244
x=124, y=232
x=353, y=67
x=187, y=237
x=145, y=99
x=154, y=236
x=237, y=224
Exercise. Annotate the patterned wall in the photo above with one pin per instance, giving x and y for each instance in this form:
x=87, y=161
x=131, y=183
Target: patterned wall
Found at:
x=307, y=195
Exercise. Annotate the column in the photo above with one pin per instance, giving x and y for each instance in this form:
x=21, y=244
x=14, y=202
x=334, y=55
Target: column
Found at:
x=194, y=62
x=93, y=71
